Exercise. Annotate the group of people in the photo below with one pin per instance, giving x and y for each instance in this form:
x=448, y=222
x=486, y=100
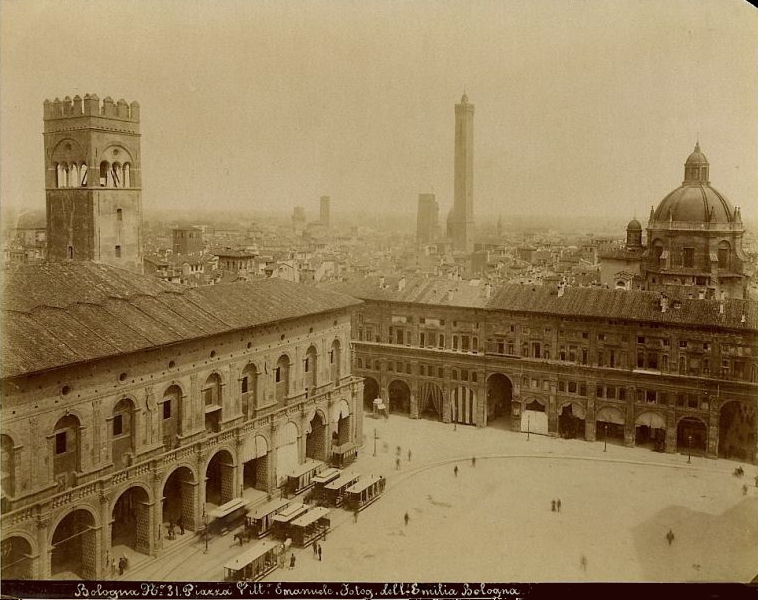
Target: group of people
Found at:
x=397, y=460
x=172, y=528
x=556, y=505
x=123, y=565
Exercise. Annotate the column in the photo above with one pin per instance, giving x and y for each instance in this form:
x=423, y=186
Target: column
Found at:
x=357, y=392
x=106, y=518
x=481, y=402
x=670, y=432
x=191, y=406
x=227, y=482
x=192, y=504
x=43, y=537
x=271, y=482
x=589, y=420
x=446, y=410
x=712, y=445
x=413, y=413
x=552, y=415
x=145, y=525
x=629, y=425
x=99, y=452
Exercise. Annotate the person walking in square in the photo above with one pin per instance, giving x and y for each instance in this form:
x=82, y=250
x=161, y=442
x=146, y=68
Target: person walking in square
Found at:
x=583, y=563
x=409, y=456
x=558, y=505
x=315, y=550
x=552, y=505
x=670, y=537
x=406, y=518
x=473, y=461
x=319, y=551
x=355, y=516
x=292, y=561
x=397, y=464
x=455, y=470
x=180, y=522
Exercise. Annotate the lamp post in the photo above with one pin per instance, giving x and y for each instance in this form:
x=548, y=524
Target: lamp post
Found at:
x=205, y=529
x=528, y=427
x=689, y=449
x=605, y=437
x=375, y=438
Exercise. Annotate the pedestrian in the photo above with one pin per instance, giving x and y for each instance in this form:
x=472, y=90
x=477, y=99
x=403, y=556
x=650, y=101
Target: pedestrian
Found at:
x=744, y=490
x=319, y=551
x=355, y=516
x=473, y=461
x=292, y=561
x=558, y=505
x=406, y=518
x=398, y=450
x=455, y=470
x=121, y=566
x=409, y=456
x=397, y=464
x=583, y=563
x=315, y=549
x=552, y=504
x=180, y=522
x=670, y=536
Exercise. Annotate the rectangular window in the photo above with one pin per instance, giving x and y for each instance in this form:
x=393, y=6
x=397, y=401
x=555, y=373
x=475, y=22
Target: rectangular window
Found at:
x=622, y=393
x=535, y=383
x=442, y=340
x=60, y=442
x=561, y=386
x=688, y=257
x=465, y=343
x=682, y=343
x=650, y=396
x=640, y=339
x=167, y=409
x=473, y=376
x=440, y=372
x=422, y=339
x=118, y=425
x=582, y=389
x=599, y=391
x=610, y=392
x=572, y=387
x=464, y=375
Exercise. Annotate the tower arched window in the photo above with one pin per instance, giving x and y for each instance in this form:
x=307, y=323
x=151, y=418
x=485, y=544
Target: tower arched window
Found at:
x=116, y=175
x=104, y=174
x=83, y=175
x=73, y=176
x=127, y=175
x=723, y=252
x=60, y=170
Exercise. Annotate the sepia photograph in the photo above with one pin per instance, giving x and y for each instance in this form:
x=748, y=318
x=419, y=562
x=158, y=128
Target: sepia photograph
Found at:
x=340, y=298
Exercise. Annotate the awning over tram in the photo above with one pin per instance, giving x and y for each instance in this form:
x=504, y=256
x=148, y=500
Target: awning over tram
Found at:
x=650, y=419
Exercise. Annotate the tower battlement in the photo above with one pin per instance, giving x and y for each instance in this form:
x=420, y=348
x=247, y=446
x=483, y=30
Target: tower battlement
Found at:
x=91, y=106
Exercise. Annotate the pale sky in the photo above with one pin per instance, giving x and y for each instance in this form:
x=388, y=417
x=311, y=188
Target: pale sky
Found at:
x=582, y=107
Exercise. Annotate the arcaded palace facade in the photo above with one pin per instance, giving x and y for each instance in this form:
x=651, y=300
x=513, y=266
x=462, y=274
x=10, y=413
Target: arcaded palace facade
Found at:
x=130, y=403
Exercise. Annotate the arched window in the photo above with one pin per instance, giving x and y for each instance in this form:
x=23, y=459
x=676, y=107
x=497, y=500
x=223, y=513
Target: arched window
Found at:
x=116, y=175
x=73, y=176
x=724, y=251
x=282, y=377
x=83, y=175
x=61, y=170
x=105, y=179
x=127, y=175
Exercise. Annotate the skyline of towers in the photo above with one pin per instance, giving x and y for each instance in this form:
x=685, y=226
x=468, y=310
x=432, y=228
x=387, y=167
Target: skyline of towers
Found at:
x=462, y=216
x=93, y=185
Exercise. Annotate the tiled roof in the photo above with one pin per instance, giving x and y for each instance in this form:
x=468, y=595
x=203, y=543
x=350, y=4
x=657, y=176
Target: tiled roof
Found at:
x=591, y=302
x=56, y=314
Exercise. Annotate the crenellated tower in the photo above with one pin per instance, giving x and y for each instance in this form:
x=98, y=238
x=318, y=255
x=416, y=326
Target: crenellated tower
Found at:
x=93, y=183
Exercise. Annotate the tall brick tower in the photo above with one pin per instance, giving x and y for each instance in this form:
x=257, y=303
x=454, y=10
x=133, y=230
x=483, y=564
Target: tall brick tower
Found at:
x=93, y=183
x=462, y=217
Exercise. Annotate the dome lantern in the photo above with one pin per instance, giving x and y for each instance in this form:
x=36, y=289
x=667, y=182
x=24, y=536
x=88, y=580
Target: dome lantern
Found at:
x=696, y=167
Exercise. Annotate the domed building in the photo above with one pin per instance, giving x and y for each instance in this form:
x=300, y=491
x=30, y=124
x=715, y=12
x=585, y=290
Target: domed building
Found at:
x=694, y=239
x=621, y=267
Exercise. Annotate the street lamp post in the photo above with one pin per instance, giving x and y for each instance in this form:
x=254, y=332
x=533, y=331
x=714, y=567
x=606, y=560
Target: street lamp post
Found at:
x=528, y=427
x=605, y=437
x=689, y=449
x=375, y=438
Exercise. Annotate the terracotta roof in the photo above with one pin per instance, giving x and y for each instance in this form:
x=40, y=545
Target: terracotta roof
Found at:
x=591, y=302
x=55, y=314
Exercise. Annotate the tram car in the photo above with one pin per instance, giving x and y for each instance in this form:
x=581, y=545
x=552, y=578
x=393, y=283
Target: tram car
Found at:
x=334, y=491
x=261, y=519
x=364, y=492
x=280, y=525
x=320, y=480
x=309, y=527
x=253, y=564
x=345, y=454
x=301, y=478
x=226, y=517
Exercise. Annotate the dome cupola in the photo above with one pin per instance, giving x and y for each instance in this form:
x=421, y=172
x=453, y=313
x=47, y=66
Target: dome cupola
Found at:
x=696, y=167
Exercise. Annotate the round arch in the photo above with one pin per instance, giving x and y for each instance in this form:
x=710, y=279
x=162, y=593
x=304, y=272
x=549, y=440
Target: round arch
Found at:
x=179, y=495
x=73, y=542
x=254, y=456
x=287, y=452
x=130, y=519
x=399, y=393
x=316, y=435
x=499, y=398
x=219, y=477
x=571, y=419
x=650, y=430
x=370, y=391
x=18, y=550
x=430, y=401
x=692, y=434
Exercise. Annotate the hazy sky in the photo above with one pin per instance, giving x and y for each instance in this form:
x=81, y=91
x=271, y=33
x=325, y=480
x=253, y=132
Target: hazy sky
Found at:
x=582, y=107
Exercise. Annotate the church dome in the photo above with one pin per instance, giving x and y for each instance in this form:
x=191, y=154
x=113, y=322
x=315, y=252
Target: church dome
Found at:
x=695, y=200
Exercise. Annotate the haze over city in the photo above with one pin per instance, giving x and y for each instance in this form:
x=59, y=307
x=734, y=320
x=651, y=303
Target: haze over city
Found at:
x=586, y=108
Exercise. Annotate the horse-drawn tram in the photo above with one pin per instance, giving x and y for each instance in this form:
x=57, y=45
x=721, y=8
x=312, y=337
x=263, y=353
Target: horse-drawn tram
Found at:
x=309, y=527
x=364, y=492
x=253, y=564
x=227, y=516
x=334, y=492
x=280, y=525
x=343, y=455
x=301, y=478
x=260, y=521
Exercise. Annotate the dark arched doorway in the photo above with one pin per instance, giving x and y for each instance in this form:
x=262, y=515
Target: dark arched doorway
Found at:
x=399, y=397
x=179, y=498
x=499, y=400
x=74, y=547
x=691, y=436
x=370, y=391
x=17, y=558
x=571, y=421
x=650, y=431
x=737, y=428
x=315, y=439
x=131, y=520
x=609, y=424
x=219, y=478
